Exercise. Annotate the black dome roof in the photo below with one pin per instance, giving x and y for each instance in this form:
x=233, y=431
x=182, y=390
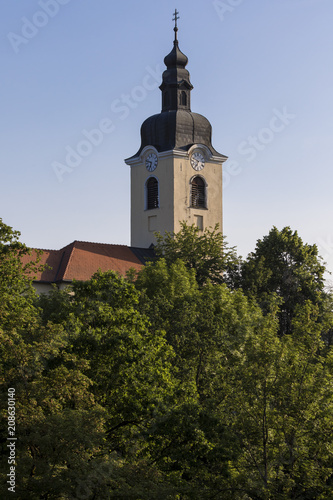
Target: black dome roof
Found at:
x=176, y=129
x=176, y=58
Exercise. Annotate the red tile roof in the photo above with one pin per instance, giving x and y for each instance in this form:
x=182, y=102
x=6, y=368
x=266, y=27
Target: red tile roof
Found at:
x=80, y=260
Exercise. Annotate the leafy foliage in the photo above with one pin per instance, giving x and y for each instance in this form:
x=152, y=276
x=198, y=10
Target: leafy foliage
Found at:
x=171, y=386
x=281, y=397
x=282, y=264
x=244, y=425
x=205, y=252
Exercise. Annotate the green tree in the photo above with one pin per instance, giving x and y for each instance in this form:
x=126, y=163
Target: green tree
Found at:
x=59, y=426
x=282, y=264
x=280, y=406
x=253, y=415
x=206, y=252
x=16, y=289
x=13, y=275
x=88, y=379
x=166, y=387
x=129, y=366
x=53, y=399
x=189, y=440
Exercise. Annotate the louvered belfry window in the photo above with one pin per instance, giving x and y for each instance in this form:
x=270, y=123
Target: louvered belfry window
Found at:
x=198, y=198
x=152, y=193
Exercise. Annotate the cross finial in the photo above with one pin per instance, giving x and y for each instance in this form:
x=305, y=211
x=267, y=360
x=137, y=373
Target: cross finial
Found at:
x=175, y=18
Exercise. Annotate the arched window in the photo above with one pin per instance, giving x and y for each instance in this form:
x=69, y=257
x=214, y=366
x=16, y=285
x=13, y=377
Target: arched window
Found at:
x=152, y=200
x=198, y=193
x=183, y=98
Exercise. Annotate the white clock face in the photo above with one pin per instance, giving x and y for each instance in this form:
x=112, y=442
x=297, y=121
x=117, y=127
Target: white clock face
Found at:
x=197, y=161
x=151, y=162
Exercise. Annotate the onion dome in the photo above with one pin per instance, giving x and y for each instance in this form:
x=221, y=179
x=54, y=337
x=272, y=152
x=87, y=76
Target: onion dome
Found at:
x=176, y=58
x=176, y=129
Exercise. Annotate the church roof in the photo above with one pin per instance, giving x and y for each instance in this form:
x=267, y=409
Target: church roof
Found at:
x=176, y=127
x=80, y=260
x=176, y=130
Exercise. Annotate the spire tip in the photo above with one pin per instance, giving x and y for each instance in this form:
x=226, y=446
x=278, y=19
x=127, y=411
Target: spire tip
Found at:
x=175, y=18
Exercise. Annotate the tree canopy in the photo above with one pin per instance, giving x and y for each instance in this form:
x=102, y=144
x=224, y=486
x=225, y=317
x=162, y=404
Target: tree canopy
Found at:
x=285, y=266
x=171, y=386
x=205, y=251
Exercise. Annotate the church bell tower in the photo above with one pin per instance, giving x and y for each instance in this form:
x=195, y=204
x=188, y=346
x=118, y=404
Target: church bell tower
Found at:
x=176, y=175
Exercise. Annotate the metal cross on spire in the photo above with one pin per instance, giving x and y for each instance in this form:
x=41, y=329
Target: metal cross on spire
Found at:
x=175, y=18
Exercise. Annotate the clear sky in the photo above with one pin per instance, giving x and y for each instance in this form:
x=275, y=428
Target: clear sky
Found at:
x=262, y=74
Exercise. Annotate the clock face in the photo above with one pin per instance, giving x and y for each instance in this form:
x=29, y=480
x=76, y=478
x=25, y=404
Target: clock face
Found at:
x=151, y=162
x=197, y=161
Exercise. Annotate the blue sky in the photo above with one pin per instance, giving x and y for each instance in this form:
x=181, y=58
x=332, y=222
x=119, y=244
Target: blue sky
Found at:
x=262, y=74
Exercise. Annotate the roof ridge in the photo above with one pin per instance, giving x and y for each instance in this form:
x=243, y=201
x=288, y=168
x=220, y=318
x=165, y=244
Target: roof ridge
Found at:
x=99, y=243
x=53, y=249
x=45, y=249
x=79, y=241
